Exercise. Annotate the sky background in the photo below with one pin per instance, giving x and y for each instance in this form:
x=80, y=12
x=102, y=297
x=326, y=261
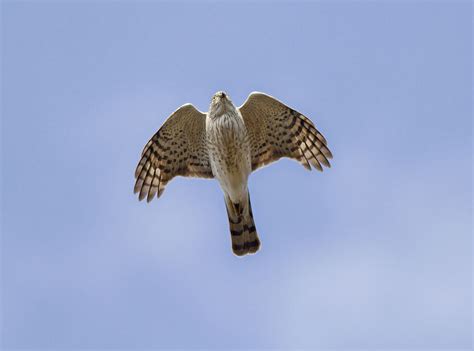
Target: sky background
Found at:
x=375, y=252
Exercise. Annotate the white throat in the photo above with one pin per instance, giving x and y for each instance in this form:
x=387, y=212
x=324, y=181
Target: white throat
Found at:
x=221, y=107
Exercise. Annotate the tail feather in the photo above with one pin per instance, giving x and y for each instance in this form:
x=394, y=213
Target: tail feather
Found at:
x=253, y=242
x=242, y=227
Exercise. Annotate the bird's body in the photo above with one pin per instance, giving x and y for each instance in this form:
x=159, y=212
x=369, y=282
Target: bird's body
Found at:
x=229, y=151
x=231, y=164
x=228, y=143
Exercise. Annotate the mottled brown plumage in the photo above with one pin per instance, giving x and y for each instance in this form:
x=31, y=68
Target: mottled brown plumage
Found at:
x=179, y=148
x=276, y=130
x=228, y=143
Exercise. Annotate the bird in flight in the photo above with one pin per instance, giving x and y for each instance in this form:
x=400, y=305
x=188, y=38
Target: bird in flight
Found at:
x=228, y=143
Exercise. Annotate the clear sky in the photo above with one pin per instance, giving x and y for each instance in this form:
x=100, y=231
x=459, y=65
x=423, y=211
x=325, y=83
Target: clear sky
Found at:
x=373, y=253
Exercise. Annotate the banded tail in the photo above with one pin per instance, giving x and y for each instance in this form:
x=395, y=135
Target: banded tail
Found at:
x=242, y=227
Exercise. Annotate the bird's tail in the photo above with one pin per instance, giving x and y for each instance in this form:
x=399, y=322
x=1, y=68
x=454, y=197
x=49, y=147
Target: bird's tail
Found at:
x=242, y=227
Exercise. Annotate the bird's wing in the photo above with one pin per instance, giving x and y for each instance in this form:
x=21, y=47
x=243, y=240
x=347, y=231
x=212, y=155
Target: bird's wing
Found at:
x=276, y=130
x=177, y=149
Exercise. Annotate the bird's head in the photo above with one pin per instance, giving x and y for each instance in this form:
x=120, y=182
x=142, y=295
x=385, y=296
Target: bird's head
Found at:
x=220, y=104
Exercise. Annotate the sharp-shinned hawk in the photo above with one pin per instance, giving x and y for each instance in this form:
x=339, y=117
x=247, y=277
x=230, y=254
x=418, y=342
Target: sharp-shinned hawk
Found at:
x=228, y=143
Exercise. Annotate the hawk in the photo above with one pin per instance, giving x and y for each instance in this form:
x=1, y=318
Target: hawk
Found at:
x=228, y=143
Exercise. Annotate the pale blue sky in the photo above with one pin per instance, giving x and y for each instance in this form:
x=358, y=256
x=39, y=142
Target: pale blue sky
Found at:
x=373, y=253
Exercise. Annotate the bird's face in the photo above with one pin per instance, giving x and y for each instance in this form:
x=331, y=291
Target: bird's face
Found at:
x=220, y=104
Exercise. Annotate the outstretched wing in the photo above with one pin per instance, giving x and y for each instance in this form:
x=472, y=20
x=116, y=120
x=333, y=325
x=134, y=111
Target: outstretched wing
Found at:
x=178, y=149
x=276, y=130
